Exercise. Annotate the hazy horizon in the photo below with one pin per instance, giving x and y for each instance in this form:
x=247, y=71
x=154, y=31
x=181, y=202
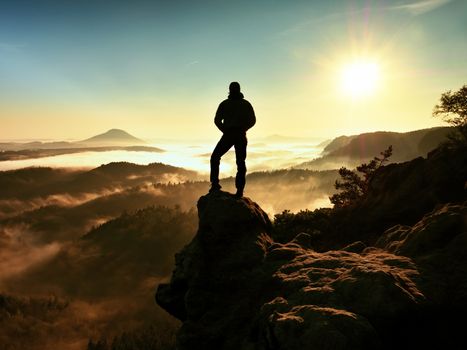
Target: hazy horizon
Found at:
x=152, y=141
x=188, y=155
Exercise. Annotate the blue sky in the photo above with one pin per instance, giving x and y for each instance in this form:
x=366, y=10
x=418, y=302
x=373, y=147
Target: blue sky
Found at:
x=70, y=69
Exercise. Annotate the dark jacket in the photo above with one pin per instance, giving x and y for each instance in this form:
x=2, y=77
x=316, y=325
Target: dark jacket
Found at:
x=235, y=114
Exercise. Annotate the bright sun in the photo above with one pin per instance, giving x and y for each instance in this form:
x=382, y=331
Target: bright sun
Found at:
x=360, y=78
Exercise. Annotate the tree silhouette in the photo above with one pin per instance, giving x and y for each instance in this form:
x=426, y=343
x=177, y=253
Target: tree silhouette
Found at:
x=354, y=186
x=453, y=109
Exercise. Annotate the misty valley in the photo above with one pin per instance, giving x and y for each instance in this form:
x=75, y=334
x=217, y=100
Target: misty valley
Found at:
x=82, y=249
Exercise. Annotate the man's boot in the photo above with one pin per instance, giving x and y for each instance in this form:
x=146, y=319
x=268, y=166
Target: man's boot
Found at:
x=215, y=187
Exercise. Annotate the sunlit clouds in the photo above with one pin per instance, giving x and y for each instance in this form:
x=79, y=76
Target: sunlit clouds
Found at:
x=421, y=6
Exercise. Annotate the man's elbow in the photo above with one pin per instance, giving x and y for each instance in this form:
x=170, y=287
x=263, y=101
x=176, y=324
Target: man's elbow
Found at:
x=220, y=126
x=253, y=122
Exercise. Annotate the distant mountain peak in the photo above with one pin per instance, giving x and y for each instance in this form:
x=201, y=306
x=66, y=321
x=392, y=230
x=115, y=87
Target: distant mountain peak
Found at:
x=114, y=136
x=117, y=132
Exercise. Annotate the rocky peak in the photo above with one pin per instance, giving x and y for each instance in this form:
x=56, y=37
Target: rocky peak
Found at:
x=233, y=287
x=211, y=287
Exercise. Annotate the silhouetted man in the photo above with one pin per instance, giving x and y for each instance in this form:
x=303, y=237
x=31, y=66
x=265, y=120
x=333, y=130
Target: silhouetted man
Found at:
x=234, y=117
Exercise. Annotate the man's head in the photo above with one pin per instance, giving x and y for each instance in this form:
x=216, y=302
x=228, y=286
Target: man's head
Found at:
x=234, y=88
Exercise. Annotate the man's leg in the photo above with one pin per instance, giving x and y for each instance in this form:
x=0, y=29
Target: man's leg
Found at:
x=240, y=156
x=224, y=144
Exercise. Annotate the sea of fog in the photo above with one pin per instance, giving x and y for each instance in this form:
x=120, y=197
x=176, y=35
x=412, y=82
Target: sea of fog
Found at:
x=193, y=156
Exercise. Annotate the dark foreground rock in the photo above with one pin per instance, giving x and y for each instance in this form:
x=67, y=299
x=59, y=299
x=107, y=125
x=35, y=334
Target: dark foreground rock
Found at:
x=235, y=288
x=212, y=288
x=438, y=245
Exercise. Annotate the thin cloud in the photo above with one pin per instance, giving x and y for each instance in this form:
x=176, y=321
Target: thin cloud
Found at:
x=415, y=8
x=420, y=7
x=304, y=25
x=191, y=63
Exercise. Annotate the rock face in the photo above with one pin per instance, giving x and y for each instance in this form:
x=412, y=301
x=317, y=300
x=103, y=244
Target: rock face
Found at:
x=438, y=244
x=235, y=288
x=212, y=289
x=400, y=194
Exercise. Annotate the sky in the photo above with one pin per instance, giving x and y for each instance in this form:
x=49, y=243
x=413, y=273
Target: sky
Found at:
x=158, y=69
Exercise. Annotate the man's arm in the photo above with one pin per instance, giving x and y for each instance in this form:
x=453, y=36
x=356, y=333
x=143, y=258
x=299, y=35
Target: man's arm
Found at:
x=251, y=120
x=219, y=119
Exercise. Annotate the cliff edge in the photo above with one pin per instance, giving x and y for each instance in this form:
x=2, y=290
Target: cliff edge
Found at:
x=233, y=287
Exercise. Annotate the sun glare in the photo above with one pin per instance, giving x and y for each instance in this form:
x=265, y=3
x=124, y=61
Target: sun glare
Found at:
x=360, y=78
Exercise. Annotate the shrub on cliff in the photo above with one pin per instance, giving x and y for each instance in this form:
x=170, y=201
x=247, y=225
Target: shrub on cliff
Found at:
x=354, y=186
x=453, y=109
x=287, y=225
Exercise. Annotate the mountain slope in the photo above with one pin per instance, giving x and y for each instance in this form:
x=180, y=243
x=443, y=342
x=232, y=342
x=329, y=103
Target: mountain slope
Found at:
x=117, y=257
x=397, y=194
x=356, y=149
x=113, y=137
x=105, y=280
x=28, y=183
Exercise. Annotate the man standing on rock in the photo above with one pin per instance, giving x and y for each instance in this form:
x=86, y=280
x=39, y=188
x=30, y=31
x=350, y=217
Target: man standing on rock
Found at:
x=234, y=117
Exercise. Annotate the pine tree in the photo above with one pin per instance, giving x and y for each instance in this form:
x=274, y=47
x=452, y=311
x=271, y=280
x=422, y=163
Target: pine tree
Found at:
x=354, y=186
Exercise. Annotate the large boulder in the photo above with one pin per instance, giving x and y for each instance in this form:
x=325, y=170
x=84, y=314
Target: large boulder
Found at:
x=217, y=275
x=438, y=245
